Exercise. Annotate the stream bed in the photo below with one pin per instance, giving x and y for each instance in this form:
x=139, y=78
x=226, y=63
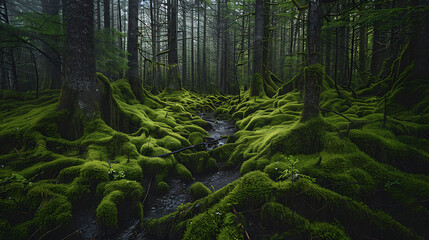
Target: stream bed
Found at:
x=179, y=190
x=157, y=206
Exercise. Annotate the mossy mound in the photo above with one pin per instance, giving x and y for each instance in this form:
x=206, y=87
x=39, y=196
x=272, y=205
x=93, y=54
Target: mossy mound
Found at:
x=105, y=166
x=278, y=208
x=199, y=190
x=365, y=161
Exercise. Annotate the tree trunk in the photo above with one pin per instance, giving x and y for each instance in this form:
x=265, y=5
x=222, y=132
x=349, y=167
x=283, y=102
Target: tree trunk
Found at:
x=352, y=51
x=198, y=72
x=184, y=49
x=153, y=29
x=204, y=78
x=377, y=46
x=218, y=42
x=192, y=50
x=80, y=94
x=106, y=4
x=362, y=48
x=98, y=15
x=173, y=78
x=13, y=82
x=133, y=64
x=313, y=74
x=421, y=63
x=257, y=86
x=266, y=39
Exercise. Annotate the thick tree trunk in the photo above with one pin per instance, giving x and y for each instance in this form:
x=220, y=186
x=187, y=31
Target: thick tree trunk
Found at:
x=80, y=94
x=257, y=86
x=133, y=64
x=313, y=74
x=173, y=78
x=314, y=30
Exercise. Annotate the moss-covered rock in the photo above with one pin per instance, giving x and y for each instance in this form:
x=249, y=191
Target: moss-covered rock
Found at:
x=199, y=190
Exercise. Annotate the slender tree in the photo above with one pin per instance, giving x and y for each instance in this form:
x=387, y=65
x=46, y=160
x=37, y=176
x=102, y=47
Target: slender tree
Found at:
x=184, y=48
x=106, y=5
x=173, y=79
x=51, y=63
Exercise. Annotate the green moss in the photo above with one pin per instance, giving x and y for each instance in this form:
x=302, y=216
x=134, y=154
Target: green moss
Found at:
x=163, y=187
x=195, y=138
x=170, y=143
x=183, y=173
x=114, y=192
x=230, y=232
x=95, y=172
x=387, y=149
x=280, y=218
x=152, y=166
x=131, y=189
x=248, y=166
x=327, y=231
x=52, y=213
x=199, y=190
x=107, y=213
x=50, y=169
x=275, y=169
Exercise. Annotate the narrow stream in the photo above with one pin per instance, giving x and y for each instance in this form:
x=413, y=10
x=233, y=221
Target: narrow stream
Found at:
x=179, y=190
x=158, y=206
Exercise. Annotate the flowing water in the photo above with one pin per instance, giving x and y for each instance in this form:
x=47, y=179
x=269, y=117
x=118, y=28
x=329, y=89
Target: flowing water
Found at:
x=157, y=206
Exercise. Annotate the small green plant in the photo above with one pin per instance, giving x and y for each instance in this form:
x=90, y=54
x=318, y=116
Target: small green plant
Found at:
x=292, y=172
x=116, y=175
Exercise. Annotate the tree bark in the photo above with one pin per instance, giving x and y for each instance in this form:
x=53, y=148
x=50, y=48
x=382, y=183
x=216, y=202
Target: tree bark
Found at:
x=313, y=74
x=98, y=15
x=257, y=86
x=204, y=63
x=184, y=48
x=106, y=4
x=192, y=50
x=266, y=39
x=133, y=64
x=79, y=95
x=198, y=69
x=377, y=46
x=173, y=79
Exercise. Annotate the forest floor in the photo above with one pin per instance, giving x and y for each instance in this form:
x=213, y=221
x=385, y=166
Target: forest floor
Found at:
x=351, y=173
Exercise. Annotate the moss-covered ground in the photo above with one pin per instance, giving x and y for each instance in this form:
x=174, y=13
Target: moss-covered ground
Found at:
x=350, y=173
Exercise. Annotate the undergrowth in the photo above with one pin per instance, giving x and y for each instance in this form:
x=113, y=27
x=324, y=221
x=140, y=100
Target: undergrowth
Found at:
x=361, y=173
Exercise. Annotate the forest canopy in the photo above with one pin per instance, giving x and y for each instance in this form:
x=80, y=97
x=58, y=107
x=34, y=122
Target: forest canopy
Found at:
x=223, y=119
